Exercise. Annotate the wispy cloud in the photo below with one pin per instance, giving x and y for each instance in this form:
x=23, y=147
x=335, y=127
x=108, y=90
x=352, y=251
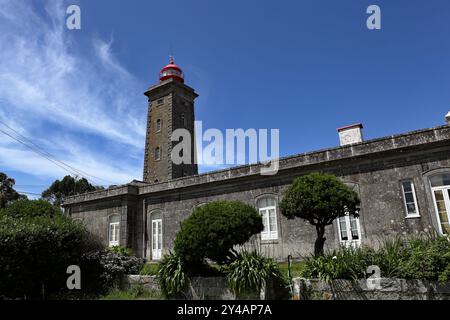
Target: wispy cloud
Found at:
x=78, y=103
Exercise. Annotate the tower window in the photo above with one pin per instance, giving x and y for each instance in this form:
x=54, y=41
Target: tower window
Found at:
x=183, y=120
x=158, y=125
x=157, y=153
x=160, y=101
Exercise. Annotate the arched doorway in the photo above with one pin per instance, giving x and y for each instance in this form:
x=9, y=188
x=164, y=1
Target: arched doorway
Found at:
x=440, y=187
x=154, y=235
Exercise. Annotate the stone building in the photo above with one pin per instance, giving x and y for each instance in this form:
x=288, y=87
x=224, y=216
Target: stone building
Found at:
x=403, y=181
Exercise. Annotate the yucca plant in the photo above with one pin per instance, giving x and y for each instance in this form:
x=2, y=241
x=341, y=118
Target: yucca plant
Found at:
x=249, y=272
x=171, y=275
x=391, y=257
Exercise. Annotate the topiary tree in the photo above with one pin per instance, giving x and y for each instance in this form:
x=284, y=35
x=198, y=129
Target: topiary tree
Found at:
x=319, y=198
x=213, y=229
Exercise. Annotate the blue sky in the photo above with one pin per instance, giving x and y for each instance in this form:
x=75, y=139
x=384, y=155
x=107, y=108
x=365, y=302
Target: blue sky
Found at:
x=303, y=67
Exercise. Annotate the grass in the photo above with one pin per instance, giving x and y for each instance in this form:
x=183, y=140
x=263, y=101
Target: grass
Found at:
x=296, y=269
x=149, y=269
x=133, y=293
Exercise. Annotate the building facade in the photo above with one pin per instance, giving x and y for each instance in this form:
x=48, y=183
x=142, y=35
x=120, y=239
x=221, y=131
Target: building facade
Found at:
x=403, y=182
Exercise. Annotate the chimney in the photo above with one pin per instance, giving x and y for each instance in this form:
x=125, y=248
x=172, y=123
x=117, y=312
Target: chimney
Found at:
x=447, y=118
x=350, y=134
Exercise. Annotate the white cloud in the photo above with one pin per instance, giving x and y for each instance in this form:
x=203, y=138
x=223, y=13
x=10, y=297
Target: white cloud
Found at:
x=59, y=95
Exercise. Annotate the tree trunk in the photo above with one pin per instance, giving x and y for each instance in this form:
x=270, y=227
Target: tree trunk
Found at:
x=320, y=241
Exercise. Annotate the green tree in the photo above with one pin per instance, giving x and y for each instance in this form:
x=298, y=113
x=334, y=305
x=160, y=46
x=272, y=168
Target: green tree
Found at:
x=319, y=198
x=30, y=209
x=7, y=192
x=68, y=186
x=212, y=230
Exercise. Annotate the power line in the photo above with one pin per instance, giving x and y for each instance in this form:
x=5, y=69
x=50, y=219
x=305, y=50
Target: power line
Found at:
x=48, y=156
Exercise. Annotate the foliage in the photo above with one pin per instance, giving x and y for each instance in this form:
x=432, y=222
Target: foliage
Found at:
x=35, y=254
x=36, y=251
x=296, y=269
x=345, y=263
x=149, y=269
x=319, y=198
x=30, y=208
x=249, y=272
x=115, y=265
x=421, y=257
x=428, y=258
x=212, y=230
x=171, y=275
x=122, y=250
x=7, y=192
x=133, y=293
x=68, y=186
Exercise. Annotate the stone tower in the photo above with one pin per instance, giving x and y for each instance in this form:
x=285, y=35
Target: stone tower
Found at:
x=170, y=106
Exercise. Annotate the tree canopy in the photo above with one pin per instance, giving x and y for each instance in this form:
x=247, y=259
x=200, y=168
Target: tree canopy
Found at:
x=319, y=198
x=7, y=192
x=30, y=209
x=68, y=186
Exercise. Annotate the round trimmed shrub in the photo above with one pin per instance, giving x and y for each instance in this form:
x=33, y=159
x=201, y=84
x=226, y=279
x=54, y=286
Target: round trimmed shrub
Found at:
x=212, y=230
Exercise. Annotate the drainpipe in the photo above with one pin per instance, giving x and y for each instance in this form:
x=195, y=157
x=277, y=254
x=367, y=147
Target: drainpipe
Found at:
x=144, y=227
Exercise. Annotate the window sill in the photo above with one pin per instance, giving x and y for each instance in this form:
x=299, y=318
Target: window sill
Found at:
x=412, y=216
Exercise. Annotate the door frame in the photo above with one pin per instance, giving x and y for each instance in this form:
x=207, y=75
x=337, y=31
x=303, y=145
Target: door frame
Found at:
x=159, y=241
x=446, y=196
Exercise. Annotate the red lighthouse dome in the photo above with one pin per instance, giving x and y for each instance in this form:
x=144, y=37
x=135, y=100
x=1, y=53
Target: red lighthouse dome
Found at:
x=171, y=71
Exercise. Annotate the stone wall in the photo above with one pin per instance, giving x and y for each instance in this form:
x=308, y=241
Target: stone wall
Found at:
x=216, y=288
x=200, y=288
x=389, y=289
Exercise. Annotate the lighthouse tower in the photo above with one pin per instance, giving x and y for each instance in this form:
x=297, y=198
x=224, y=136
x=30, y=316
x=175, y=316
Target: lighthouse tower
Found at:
x=170, y=107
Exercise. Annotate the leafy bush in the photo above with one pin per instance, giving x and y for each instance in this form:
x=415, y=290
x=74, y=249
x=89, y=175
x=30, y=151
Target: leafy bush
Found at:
x=115, y=265
x=428, y=258
x=35, y=254
x=249, y=272
x=30, y=208
x=171, y=275
x=122, y=250
x=423, y=258
x=213, y=229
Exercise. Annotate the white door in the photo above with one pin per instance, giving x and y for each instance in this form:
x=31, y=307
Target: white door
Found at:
x=156, y=239
x=441, y=197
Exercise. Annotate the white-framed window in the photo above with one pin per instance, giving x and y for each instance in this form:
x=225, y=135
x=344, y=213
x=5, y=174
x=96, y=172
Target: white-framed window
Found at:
x=349, y=231
x=158, y=125
x=267, y=207
x=410, y=199
x=114, y=230
x=157, y=153
x=156, y=239
x=440, y=187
